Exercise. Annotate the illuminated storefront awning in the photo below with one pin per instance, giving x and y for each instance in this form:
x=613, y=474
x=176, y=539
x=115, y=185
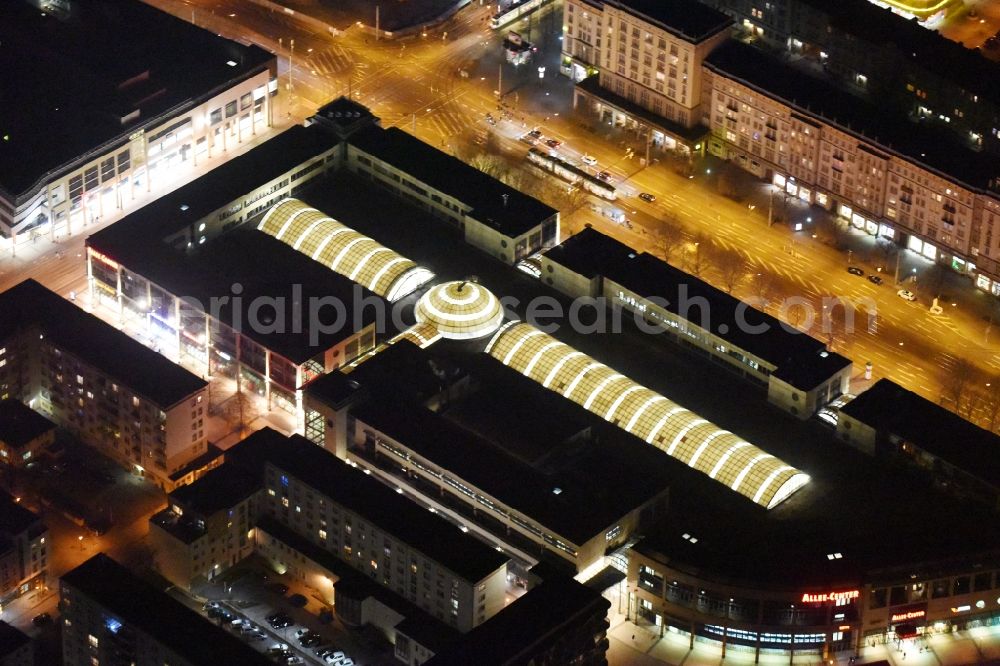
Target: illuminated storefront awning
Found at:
x=343, y=249
x=679, y=432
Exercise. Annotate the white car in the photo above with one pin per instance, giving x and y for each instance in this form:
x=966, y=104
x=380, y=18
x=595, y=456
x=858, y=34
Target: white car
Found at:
x=906, y=295
x=589, y=160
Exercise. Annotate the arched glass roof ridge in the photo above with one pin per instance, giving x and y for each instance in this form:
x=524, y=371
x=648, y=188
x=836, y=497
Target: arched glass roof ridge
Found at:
x=342, y=249
x=679, y=432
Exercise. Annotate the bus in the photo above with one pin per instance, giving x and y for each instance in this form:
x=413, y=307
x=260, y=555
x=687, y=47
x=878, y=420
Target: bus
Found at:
x=515, y=11
x=572, y=174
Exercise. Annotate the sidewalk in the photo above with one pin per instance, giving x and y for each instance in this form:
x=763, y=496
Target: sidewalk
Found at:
x=642, y=645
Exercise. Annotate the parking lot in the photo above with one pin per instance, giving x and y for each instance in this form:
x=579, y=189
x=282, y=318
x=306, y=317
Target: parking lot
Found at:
x=278, y=617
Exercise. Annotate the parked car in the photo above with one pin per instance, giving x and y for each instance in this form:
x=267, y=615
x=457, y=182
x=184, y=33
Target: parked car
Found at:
x=906, y=295
x=280, y=621
x=41, y=620
x=589, y=160
x=874, y=279
x=310, y=640
x=297, y=601
x=647, y=197
x=854, y=270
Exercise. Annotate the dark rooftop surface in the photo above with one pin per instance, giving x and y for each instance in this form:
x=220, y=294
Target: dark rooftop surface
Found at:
x=135, y=603
x=890, y=408
x=14, y=518
x=264, y=268
x=11, y=639
x=521, y=417
x=934, y=147
x=801, y=360
x=211, y=453
x=418, y=623
x=454, y=177
x=527, y=627
x=221, y=488
x=69, y=80
x=692, y=135
x=382, y=506
x=130, y=238
x=20, y=424
x=946, y=58
x=845, y=508
x=686, y=18
x=598, y=482
x=103, y=346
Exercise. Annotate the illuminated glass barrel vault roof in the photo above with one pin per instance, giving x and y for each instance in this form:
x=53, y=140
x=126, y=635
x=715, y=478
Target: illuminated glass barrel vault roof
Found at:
x=642, y=412
x=460, y=310
x=343, y=249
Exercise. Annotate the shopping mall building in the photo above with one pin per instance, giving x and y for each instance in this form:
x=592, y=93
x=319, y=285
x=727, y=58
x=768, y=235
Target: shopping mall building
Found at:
x=109, y=103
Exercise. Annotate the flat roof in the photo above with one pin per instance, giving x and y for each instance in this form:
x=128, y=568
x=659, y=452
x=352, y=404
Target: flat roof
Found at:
x=20, y=424
x=182, y=208
x=933, y=147
x=688, y=19
x=690, y=135
x=157, y=614
x=264, y=269
x=71, y=77
x=528, y=627
x=417, y=623
x=11, y=639
x=946, y=58
x=15, y=518
x=495, y=204
x=801, y=360
x=114, y=353
x=396, y=515
x=892, y=409
x=844, y=509
x=221, y=488
x=598, y=482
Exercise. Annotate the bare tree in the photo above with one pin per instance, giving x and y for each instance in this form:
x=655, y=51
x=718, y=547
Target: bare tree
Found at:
x=764, y=286
x=240, y=410
x=696, y=254
x=956, y=382
x=491, y=165
x=667, y=238
x=992, y=402
x=731, y=265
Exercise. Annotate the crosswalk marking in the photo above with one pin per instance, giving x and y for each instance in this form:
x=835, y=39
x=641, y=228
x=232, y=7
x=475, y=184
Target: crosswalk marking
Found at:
x=333, y=60
x=445, y=123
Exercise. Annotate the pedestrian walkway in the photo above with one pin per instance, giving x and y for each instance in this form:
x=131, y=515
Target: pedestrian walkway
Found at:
x=645, y=645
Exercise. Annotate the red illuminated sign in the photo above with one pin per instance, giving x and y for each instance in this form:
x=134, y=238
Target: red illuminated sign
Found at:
x=905, y=616
x=825, y=597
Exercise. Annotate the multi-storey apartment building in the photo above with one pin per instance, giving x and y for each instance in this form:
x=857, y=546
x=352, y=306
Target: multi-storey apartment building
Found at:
x=207, y=526
x=24, y=549
x=134, y=99
x=109, y=616
x=911, y=184
x=340, y=512
x=114, y=393
x=918, y=185
x=648, y=57
x=421, y=557
x=874, y=52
